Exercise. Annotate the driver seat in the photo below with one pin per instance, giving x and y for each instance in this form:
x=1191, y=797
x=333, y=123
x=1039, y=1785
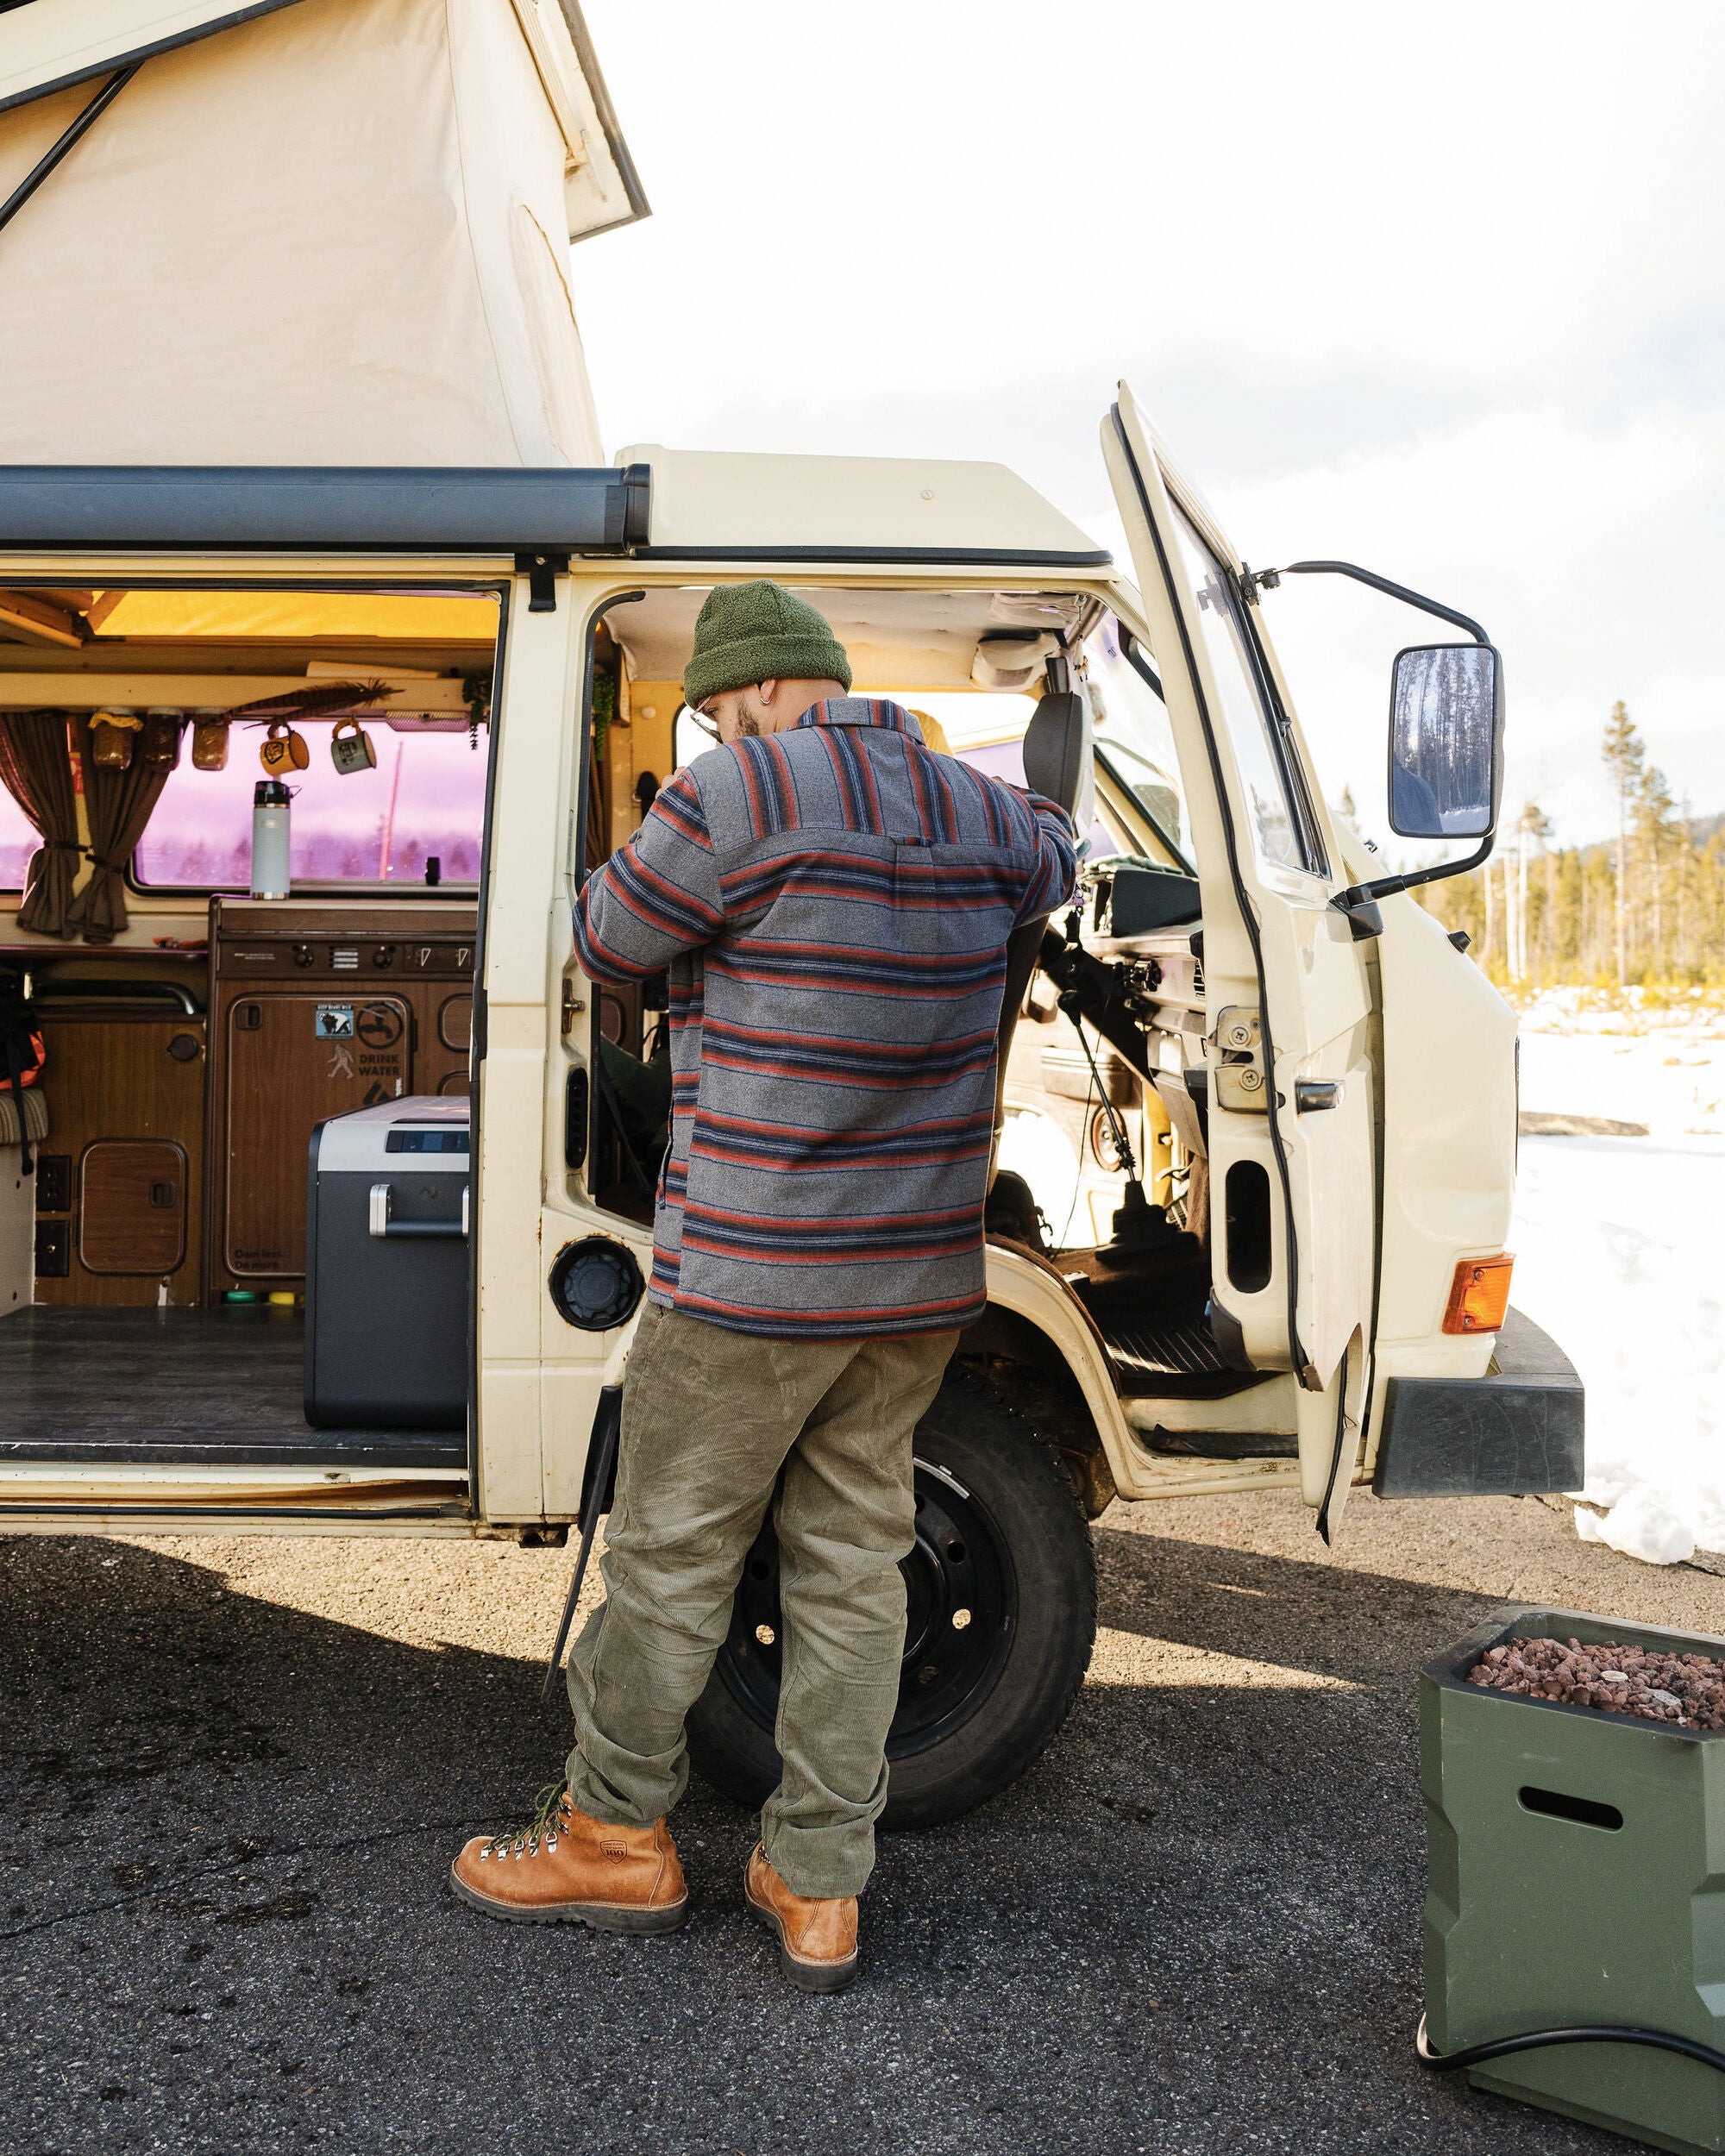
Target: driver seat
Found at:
x=1054, y=766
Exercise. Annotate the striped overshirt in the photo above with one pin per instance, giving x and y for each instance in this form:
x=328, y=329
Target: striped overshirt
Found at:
x=833, y=905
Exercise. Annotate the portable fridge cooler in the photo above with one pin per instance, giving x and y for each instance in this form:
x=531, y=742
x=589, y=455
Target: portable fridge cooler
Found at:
x=386, y=1292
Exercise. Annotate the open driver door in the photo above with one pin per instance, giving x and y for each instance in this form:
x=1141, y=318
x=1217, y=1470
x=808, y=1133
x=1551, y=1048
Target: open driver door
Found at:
x=1293, y=1181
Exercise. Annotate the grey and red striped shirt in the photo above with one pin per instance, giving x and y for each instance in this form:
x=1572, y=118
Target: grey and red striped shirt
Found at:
x=833, y=904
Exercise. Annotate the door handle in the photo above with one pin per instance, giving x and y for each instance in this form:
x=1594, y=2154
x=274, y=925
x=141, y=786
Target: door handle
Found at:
x=1310, y=1094
x=383, y=1228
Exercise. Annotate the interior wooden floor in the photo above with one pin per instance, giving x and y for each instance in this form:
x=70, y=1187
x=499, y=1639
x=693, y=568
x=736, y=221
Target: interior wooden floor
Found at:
x=209, y=1387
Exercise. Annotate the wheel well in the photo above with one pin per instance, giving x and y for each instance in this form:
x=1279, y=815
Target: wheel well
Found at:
x=1018, y=1361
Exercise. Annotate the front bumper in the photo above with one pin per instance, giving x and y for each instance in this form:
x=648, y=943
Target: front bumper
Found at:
x=1515, y=1432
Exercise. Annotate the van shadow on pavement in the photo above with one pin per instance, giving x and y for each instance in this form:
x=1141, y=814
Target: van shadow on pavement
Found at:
x=1194, y=1925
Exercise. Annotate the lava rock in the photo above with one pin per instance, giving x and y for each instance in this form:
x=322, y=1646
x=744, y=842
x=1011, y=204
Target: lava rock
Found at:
x=1610, y=1678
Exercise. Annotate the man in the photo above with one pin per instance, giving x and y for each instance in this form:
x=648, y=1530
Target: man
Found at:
x=833, y=903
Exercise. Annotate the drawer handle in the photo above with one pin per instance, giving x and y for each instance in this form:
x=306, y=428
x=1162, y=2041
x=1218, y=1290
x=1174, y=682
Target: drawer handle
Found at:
x=383, y=1228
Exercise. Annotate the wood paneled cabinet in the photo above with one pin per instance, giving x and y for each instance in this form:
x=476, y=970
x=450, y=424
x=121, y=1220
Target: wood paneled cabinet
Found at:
x=317, y=1007
x=290, y=1057
x=119, y=1177
x=132, y=1217
x=175, y=1165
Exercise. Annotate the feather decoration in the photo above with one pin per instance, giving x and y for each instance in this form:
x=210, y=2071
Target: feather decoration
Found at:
x=323, y=696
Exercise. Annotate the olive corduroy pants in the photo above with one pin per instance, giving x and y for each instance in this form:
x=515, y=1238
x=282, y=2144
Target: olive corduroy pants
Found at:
x=714, y=1422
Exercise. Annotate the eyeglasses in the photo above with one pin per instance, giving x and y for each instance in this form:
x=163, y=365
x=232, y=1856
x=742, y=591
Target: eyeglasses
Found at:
x=708, y=726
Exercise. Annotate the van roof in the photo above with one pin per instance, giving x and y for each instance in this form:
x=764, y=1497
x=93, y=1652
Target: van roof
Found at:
x=654, y=504
x=727, y=505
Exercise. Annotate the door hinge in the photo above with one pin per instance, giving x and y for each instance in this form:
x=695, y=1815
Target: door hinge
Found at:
x=1236, y=1076
x=542, y=571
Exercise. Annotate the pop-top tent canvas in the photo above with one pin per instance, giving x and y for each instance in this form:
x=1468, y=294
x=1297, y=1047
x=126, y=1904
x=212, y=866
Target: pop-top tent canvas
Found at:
x=304, y=232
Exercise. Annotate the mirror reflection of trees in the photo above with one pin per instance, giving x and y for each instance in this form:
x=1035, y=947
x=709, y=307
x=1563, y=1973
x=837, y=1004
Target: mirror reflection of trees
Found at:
x=1442, y=732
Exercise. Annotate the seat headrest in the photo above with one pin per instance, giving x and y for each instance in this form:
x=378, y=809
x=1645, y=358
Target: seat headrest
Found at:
x=1054, y=748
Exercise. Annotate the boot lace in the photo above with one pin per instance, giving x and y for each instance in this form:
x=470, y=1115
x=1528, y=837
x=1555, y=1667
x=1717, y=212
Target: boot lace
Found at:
x=543, y=1827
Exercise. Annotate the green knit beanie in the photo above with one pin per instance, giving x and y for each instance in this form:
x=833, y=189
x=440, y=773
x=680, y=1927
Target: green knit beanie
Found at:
x=759, y=632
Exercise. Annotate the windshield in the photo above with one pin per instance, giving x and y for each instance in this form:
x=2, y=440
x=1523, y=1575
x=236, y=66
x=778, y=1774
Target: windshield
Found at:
x=1134, y=740
x=1282, y=826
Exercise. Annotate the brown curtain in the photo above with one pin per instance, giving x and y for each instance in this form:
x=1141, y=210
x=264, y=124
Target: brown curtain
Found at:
x=37, y=774
x=119, y=805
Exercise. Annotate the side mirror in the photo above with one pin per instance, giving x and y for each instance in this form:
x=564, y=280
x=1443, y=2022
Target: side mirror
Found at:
x=1446, y=740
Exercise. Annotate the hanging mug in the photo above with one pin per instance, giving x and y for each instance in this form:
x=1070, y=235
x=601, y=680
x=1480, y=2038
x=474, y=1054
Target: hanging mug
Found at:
x=158, y=739
x=351, y=752
x=209, y=744
x=111, y=738
x=283, y=750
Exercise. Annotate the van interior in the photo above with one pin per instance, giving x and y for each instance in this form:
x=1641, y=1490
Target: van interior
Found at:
x=153, y=1270
x=195, y=1035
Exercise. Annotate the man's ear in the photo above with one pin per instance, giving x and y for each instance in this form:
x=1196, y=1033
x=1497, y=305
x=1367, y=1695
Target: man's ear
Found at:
x=768, y=691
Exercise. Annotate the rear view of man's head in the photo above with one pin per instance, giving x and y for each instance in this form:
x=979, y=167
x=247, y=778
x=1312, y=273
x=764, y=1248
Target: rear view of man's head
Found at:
x=762, y=656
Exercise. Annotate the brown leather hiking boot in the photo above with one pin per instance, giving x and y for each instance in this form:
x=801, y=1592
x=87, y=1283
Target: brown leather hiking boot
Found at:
x=817, y=1940
x=565, y=1868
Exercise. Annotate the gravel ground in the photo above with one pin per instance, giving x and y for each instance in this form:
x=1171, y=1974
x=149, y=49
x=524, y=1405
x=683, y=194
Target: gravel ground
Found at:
x=234, y=1773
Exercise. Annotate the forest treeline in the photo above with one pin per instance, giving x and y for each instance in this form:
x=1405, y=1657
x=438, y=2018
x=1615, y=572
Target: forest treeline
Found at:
x=1643, y=908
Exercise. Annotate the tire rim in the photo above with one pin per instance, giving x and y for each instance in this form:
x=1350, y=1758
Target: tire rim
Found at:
x=958, y=1569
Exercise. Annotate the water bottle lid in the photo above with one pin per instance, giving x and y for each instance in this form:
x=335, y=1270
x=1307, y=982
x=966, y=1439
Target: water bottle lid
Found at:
x=270, y=794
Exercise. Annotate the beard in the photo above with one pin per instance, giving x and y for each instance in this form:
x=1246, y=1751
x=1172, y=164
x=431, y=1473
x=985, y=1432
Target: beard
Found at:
x=748, y=726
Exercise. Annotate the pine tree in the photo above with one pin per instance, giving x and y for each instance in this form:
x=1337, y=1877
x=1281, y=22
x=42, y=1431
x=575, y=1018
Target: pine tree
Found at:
x=1655, y=813
x=1532, y=824
x=1625, y=757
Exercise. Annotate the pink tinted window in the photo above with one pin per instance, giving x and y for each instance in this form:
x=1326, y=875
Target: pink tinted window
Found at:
x=18, y=841
x=426, y=797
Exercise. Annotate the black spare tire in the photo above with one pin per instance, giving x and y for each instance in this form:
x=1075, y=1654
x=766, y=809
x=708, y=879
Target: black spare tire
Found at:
x=1001, y=1616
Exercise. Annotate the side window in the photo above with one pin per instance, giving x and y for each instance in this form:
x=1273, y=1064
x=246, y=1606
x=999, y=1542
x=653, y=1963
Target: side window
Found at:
x=423, y=801
x=1284, y=829
x=18, y=841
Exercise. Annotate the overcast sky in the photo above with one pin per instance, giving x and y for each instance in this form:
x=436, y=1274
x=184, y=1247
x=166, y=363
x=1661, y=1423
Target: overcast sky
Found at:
x=1439, y=291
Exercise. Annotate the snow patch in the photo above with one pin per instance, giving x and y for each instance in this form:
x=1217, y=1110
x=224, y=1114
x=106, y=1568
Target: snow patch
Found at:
x=1642, y=1525
x=1617, y=1245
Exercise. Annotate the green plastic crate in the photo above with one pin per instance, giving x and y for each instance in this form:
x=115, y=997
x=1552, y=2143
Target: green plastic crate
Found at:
x=1543, y=1911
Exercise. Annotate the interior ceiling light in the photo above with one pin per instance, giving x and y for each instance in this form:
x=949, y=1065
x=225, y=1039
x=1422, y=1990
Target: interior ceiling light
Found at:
x=1009, y=662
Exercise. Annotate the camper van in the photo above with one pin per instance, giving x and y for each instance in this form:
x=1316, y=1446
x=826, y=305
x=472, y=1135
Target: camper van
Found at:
x=334, y=656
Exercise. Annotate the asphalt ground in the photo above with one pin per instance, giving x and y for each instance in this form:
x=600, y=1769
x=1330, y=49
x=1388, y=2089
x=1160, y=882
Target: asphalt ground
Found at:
x=234, y=1773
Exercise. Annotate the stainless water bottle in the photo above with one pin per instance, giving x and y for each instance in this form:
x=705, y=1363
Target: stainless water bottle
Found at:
x=269, y=839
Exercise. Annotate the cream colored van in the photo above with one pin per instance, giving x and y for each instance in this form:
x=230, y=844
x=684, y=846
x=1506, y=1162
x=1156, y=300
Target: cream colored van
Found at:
x=339, y=1204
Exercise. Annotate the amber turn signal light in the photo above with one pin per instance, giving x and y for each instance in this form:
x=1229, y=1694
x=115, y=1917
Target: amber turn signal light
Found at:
x=1480, y=1294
